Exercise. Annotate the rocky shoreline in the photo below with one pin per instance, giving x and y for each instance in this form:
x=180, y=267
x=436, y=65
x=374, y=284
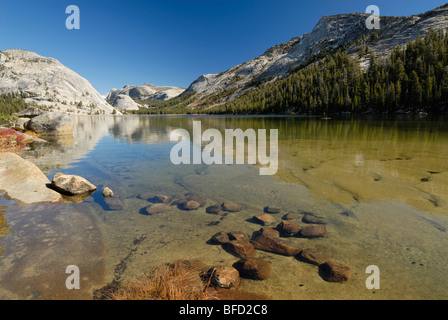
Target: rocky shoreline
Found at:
x=23, y=181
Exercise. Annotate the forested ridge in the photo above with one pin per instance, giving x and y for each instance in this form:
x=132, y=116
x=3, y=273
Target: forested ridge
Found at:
x=11, y=103
x=411, y=78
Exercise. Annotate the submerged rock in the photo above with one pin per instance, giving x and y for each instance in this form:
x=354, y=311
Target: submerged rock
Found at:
x=313, y=256
x=231, y=206
x=71, y=184
x=264, y=219
x=198, y=198
x=158, y=208
x=335, y=272
x=238, y=235
x=288, y=228
x=220, y=238
x=239, y=248
x=254, y=268
x=224, y=277
x=178, y=203
x=273, y=245
x=313, y=231
x=215, y=209
x=271, y=209
x=145, y=196
x=291, y=216
x=189, y=205
x=268, y=232
x=160, y=199
x=312, y=219
x=224, y=237
x=114, y=204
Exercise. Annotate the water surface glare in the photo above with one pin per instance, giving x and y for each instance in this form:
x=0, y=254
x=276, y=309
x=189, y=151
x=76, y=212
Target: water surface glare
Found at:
x=380, y=184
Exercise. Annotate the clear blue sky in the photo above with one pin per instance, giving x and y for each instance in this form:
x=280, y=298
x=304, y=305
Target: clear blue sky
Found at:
x=168, y=42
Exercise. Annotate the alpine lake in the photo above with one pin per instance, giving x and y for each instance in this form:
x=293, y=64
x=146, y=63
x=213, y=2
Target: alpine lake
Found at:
x=379, y=183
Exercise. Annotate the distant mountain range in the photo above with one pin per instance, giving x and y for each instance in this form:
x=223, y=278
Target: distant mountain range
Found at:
x=49, y=84
x=330, y=33
x=128, y=97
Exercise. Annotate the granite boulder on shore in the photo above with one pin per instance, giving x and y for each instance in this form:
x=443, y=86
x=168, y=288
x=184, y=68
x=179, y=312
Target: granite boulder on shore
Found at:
x=71, y=184
x=23, y=181
x=51, y=124
x=43, y=123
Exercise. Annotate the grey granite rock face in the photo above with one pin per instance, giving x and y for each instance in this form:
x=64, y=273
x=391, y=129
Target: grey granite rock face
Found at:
x=128, y=97
x=51, y=124
x=330, y=32
x=30, y=112
x=49, y=84
x=124, y=102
